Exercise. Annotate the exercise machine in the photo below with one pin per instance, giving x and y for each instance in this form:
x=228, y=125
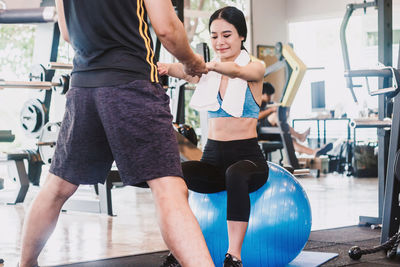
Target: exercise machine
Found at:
x=384, y=8
x=390, y=234
x=296, y=70
x=388, y=140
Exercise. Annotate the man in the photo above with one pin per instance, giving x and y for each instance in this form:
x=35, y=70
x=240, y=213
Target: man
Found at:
x=117, y=110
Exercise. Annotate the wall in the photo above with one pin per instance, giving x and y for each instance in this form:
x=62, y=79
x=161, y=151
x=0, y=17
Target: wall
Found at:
x=269, y=22
x=270, y=17
x=300, y=10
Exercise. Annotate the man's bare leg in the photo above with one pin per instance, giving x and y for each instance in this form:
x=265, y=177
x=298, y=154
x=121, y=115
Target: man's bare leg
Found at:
x=178, y=225
x=42, y=217
x=303, y=149
x=299, y=136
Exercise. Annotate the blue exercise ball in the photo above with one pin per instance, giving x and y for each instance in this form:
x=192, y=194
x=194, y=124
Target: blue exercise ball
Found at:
x=279, y=224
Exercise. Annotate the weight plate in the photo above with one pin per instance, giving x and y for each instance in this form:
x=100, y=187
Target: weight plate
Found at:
x=33, y=117
x=47, y=141
x=63, y=80
x=38, y=73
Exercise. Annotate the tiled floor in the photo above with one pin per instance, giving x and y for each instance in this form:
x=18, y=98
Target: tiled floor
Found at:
x=336, y=200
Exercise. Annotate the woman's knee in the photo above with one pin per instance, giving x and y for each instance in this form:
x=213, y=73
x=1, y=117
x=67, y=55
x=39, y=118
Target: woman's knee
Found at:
x=238, y=173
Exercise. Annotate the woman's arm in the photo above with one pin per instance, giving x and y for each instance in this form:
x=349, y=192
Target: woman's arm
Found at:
x=176, y=70
x=252, y=72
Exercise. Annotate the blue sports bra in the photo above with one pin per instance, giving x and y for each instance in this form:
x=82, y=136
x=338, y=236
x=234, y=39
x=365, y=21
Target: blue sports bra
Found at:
x=250, y=107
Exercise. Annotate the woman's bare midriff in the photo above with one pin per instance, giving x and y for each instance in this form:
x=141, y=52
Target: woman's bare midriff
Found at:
x=231, y=128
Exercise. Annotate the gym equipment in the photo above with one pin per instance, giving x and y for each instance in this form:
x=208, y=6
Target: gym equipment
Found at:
x=349, y=11
x=17, y=172
x=385, y=40
x=391, y=246
x=296, y=69
x=389, y=145
x=279, y=225
x=6, y=136
x=188, y=132
x=47, y=141
x=33, y=117
x=28, y=15
x=387, y=123
x=38, y=73
x=59, y=66
x=59, y=84
x=390, y=236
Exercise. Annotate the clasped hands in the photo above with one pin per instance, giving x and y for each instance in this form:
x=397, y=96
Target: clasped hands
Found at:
x=194, y=68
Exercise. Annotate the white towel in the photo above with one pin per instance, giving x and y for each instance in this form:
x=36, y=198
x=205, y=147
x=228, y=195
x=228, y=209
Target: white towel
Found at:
x=205, y=95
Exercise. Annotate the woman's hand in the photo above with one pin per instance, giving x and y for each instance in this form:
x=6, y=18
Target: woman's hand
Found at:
x=210, y=65
x=163, y=68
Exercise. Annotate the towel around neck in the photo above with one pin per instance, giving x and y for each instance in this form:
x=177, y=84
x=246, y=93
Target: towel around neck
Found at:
x=205, y=95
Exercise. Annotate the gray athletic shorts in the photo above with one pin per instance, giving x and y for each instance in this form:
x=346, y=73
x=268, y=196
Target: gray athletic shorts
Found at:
x=130, y=124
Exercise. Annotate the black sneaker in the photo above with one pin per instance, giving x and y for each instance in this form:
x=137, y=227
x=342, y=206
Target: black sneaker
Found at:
x=170, y=261
x=231, y=261
x=323, y=150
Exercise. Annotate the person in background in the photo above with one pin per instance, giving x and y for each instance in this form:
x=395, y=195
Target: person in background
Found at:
x=268, y=117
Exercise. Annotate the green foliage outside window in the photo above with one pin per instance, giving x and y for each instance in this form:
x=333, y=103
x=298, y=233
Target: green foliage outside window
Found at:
x=16, y=50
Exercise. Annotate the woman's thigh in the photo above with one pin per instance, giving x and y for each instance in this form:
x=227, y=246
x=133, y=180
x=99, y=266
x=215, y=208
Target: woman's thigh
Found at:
x=203, y=177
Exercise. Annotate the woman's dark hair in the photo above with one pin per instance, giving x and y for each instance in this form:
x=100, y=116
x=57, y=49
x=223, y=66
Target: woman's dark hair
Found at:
x=268, y=88
x=235, y=17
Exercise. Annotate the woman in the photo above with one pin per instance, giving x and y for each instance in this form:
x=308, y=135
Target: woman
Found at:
x=232, y=159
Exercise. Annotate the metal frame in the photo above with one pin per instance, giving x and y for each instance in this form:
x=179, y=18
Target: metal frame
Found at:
x=296, y=69
x=391, y=206
x=17, y=172
x=385, y=56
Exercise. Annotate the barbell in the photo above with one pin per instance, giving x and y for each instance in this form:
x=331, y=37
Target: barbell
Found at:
x=59, y=84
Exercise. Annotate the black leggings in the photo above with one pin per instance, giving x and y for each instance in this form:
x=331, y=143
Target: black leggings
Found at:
x=238, y=167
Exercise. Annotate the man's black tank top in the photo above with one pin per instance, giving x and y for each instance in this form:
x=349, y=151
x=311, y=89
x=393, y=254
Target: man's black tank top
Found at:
x=112, y=42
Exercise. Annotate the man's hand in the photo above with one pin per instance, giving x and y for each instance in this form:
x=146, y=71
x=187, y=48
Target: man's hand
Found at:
x=196, y=67
x=162, y=68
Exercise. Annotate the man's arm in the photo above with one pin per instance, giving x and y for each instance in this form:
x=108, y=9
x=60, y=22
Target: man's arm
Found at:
x=172, y=35
x=61, y=20
x=176, y=70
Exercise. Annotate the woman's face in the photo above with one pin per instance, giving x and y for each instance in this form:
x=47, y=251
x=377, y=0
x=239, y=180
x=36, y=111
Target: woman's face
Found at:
x=225, y=40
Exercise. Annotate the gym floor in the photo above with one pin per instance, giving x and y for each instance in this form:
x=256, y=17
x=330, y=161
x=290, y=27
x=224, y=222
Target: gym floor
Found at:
x=336, y=200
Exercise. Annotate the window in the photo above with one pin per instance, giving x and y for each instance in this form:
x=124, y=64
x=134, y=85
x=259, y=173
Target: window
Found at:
x=16, y=51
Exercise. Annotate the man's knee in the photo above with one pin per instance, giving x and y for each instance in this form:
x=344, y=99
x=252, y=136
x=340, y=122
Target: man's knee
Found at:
x=59, y=187
x=170, y=186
